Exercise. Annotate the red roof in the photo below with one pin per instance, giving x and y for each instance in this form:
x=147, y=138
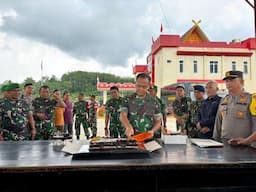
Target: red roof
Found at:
x=140, y=69
x=102, y=86
x=175, y=41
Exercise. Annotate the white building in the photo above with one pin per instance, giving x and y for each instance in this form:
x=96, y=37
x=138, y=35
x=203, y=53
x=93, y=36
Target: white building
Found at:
x=193, y=58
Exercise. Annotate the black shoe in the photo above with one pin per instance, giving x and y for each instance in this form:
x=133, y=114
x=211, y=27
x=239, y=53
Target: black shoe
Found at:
x=87, y=137
x=77, y=137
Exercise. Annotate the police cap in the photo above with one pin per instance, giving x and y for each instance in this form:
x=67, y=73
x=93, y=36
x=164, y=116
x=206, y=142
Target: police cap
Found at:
x=233, y=75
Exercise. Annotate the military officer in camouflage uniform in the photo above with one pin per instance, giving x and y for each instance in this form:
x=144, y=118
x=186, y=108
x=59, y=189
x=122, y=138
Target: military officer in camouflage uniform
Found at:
x=115, y=128
x=80, y=110
x=4, y=91
x=4, y=95
x=27, y=96
x=15, y=115
x=140, y=112
x=43, y=107
x=93, y=107
x=236, y=116
x=153, y=93
x=193, y=109
x=180, y=109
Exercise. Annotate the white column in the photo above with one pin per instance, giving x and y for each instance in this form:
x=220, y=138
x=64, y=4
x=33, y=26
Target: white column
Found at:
x=104, y=97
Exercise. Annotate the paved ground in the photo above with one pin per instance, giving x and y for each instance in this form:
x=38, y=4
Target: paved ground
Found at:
x=171, y=125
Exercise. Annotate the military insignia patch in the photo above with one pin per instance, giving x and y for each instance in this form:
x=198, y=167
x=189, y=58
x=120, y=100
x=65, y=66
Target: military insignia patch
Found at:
x=252, y=106
x=243, y=100
x=239, y=114
x=225, y=101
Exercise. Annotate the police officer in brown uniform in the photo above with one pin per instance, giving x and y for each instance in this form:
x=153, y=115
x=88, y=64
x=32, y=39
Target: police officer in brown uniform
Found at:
x=235, y=118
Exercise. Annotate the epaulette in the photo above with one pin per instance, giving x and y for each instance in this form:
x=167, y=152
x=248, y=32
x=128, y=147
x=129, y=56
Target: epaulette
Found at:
x=252, y=106
x=225, y=100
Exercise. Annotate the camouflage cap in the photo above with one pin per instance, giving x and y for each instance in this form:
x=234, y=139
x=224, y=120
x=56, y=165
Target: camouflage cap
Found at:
x=12, y=86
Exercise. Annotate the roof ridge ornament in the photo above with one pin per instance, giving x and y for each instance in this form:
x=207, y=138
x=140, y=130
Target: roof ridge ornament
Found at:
x=196, y=23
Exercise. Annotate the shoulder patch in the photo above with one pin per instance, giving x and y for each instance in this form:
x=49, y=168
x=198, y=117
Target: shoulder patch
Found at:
x=252, y=106
x=225, y=100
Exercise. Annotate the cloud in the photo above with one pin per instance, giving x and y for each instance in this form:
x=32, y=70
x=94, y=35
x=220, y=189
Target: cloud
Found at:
x=221, y=20
x=106, y=31
x=17, y=65
x=104, y=36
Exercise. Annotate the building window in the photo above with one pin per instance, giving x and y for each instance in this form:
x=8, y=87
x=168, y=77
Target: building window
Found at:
x=181, y=66
x=245, y=67
x=168, y=61
x=233, y=65
x=195, y=66
x=213, y=66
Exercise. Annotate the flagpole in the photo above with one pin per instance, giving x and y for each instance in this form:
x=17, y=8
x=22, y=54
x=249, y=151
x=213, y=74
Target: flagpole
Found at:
x=41, y=72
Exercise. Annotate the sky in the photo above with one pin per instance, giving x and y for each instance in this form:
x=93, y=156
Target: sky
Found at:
x=107, y=36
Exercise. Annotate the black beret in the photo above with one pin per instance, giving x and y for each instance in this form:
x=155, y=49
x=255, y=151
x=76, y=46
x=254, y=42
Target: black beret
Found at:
x=199, y=88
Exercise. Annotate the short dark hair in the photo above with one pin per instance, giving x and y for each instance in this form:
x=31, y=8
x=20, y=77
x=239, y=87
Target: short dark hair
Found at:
x=93, y=96
x=144, y=76
x=55, y=90
x=81, y=94
x=27, y=84
x=44, y=87
x=114, y=88
x=65, y=92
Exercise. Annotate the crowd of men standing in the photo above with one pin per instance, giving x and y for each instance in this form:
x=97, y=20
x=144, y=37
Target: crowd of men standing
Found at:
x=232, y=118
x=25, y=117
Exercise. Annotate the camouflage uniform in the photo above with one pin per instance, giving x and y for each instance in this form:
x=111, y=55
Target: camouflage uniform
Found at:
x=162, y=105
x=45, y=129
x=14, y=115
x=142, y=112
x=93, y=106
x=28, y=99
x=193, y=109
x=113, y=109
x=81, y=112
x=163, y=110
x=180, y=108
x=1, y=101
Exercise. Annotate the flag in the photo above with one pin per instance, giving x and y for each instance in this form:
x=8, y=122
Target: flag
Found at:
x=161, y=28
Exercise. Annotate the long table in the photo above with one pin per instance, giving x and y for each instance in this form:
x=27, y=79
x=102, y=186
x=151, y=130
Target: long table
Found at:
x=31, y=164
